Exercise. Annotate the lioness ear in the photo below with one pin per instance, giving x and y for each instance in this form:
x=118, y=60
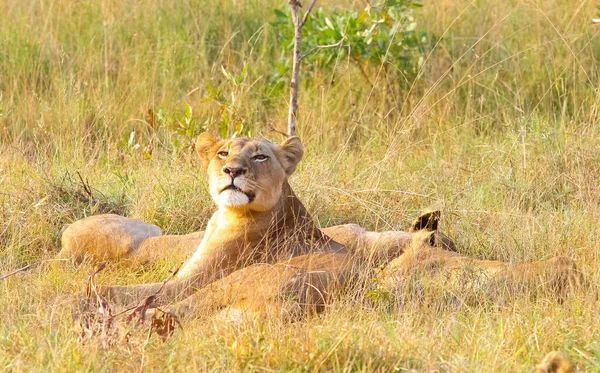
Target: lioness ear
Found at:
x=423, y=237
x=292, y=150
x=206, y=147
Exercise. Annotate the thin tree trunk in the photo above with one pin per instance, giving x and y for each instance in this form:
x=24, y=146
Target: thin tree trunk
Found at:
x=298, y=24
x=293, y=109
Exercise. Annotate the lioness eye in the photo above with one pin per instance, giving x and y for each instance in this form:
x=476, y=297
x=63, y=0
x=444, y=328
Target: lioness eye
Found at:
x=222, y=155
x=260, y=158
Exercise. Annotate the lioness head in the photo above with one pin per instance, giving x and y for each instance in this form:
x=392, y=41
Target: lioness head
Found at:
x=247, y=174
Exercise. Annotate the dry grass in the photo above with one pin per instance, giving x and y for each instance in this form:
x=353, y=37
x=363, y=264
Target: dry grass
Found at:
x=501, y=133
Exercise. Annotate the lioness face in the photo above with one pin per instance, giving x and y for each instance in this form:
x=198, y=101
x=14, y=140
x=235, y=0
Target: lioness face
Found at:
x=247, y=174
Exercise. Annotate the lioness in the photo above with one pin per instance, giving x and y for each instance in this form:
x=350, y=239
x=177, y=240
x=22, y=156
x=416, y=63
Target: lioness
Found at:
x=259, y=220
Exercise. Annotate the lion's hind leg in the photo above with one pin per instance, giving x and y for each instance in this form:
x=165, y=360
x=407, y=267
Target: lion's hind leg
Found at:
x=104, y=237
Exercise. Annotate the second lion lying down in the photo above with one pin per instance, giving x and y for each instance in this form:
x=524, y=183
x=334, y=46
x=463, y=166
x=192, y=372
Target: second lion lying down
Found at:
x=261, y=251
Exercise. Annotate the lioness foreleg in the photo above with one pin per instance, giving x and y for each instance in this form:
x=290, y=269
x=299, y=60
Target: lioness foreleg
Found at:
x=291, y=289
x=212, y=266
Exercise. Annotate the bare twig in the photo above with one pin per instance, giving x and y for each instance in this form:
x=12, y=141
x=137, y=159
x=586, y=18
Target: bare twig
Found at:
x=273, y=129
x=145, y=304
x=86, y=186
x=310, y=8
x=23, y=269
x=293, y=110
x=319, y=47
x=31, y=266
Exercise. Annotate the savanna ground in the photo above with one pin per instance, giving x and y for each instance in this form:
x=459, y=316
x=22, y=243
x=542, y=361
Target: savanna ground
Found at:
x=500, y=132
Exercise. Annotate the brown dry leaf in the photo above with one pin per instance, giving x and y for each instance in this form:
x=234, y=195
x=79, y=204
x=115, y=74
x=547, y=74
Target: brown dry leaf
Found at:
x=163, y=324
x=141, y=310
x=150, y=118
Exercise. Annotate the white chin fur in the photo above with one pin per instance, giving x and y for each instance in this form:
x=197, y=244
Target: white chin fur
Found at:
x=233, y=198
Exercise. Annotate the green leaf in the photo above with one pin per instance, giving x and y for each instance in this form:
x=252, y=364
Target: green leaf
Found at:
x=239, y=126
x=329, y=24
x=279, y=13
x=188, y=112
x=131, y=140
x=363, y=16
x=224, y=124
x=227, y=75
x=212, y=91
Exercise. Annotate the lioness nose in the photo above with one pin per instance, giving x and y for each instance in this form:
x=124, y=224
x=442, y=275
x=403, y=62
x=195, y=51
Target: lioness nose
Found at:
x=234, y=171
